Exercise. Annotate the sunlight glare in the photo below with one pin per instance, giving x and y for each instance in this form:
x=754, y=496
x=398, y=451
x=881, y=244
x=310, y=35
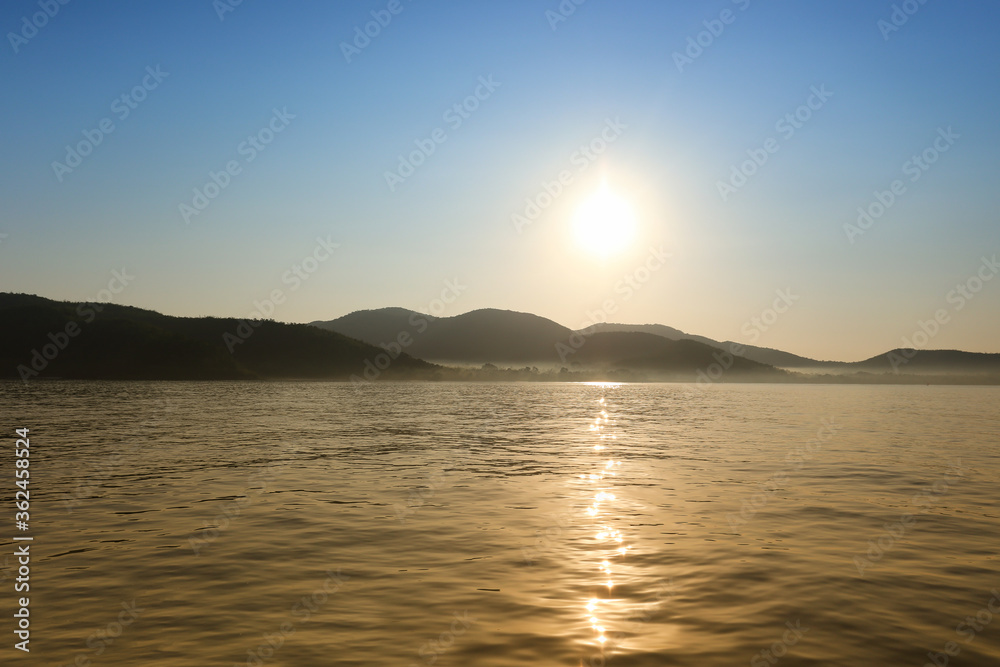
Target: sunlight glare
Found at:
x=604, y=223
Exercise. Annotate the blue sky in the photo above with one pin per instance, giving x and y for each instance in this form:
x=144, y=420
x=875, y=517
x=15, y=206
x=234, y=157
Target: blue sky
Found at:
x=556, y=85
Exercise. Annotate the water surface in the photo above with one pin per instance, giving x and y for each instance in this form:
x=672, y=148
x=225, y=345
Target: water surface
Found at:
x=509, y=524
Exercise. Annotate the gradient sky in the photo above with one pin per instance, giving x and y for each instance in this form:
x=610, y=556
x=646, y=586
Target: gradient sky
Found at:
x=324, y=174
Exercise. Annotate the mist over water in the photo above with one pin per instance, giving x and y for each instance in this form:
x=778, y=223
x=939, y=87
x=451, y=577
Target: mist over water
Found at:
x=498, y=524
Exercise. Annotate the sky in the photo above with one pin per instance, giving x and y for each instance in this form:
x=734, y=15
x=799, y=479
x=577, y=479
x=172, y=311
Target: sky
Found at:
x=817, y=177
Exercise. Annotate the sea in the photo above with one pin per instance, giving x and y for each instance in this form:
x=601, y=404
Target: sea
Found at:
x=492, y=525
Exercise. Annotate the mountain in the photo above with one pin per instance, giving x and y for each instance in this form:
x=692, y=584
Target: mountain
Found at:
x=930, y=362
x=679, y=359
x=763, y=355
x=382, y=325
x=491, y=336
x=42, y=338
x=897, y=362
x=498, y=336
x=657, y=329
x=477, y=337
x=502, y=336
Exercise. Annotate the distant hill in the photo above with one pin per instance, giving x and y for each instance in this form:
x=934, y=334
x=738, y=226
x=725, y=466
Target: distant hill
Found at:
x=681, y=359
x=763, y=355
x=506, y=337
x=930, y=362
x=491, y=336
x=477, y=337
x=45, y=339
x=122, y=342
x=498, y=336
x=897, y=362
x=657, y=329
x=381, y=325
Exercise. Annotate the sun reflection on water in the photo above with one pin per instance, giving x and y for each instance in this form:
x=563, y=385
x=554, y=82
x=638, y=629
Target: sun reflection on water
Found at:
x=610, y=545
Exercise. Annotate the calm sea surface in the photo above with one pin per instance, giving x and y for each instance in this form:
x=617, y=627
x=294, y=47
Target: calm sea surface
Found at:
x=489, y=525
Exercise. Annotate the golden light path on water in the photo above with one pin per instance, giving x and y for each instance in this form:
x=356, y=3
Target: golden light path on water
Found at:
x=610, y=541
x=221, y=544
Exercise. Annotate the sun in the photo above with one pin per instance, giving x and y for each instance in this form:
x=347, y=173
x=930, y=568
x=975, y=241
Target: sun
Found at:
x=604, y=223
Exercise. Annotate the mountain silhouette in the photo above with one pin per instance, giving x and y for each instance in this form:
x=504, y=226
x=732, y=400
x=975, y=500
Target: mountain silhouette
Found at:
x=480, y=336
x=507, y=337
x=47, y=339
x=931, y=362
x=106, y=341
x=764, y=355
x=637, y=350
